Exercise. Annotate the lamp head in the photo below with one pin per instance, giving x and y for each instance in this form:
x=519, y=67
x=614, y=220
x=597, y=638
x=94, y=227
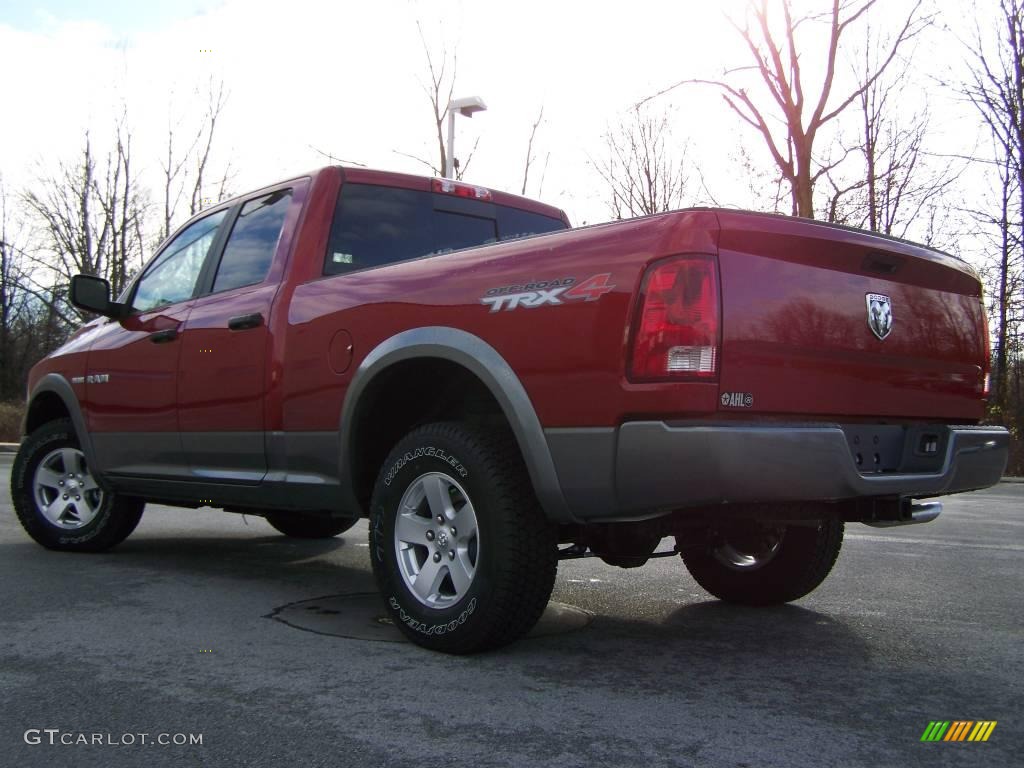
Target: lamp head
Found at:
x=467, y=106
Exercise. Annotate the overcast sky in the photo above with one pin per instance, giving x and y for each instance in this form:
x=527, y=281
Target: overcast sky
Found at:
x=347, y=78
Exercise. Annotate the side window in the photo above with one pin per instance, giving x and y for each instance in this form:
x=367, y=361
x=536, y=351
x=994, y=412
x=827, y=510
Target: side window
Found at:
x=253, y=241
x=378, y=225
x=173, y=274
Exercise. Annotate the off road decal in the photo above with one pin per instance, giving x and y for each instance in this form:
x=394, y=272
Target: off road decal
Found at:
x=450, y=460
x=432, y=629
x=547, y=292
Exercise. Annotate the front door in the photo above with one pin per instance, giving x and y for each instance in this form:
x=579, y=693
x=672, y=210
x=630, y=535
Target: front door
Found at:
x=131, y=370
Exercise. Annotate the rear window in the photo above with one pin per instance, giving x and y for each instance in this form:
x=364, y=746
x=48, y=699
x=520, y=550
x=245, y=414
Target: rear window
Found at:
x=376, y=225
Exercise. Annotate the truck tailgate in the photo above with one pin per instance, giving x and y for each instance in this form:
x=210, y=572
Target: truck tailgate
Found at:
x=797, y=337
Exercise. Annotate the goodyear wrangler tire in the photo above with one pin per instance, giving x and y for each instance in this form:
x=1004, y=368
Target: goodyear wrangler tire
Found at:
x=463, y=555
x=764, y=564
x=59, y=502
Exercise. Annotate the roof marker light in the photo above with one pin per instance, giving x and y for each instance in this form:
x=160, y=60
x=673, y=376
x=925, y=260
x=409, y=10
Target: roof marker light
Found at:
x=449, y=187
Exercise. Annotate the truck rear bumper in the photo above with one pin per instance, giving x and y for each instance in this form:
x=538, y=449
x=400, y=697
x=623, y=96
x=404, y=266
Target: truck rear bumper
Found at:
x=654, y=467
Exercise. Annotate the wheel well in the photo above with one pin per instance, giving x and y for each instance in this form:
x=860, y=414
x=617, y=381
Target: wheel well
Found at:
x=47, y=406
x=403, y=397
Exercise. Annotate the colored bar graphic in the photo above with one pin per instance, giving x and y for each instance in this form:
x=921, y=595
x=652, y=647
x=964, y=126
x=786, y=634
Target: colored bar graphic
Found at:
x=983, y=730
x=958, y=730
x=935, y=730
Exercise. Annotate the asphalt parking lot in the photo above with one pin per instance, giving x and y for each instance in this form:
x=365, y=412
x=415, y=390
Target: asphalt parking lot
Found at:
x=272, y=650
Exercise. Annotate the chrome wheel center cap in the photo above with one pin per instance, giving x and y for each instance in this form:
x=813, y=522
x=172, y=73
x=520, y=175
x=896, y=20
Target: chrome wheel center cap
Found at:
x=442, y=540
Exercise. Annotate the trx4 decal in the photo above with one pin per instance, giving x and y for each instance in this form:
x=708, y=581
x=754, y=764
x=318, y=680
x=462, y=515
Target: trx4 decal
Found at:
x=543, y=292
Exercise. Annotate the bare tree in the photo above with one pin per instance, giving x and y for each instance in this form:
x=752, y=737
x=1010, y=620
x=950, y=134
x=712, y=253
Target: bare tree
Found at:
x=31, y=323
x=122, y=208
x=890, y=152
x=529, y=151
x=439, y=91
x=643, y=170
x=766, y=189
x=216, y=99
x=89, y=219
x=333, y=158
x=785, y=98
x=12, y=298
x=894, y=183
x=996, y=89
x=173, y=167
x=442, y=71
x=186, y=164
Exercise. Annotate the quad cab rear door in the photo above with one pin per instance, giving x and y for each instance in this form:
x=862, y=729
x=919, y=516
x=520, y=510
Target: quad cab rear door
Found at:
x=224, y=370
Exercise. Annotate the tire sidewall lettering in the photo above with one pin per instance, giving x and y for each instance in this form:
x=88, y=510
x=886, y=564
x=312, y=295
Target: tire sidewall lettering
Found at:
x=431, y=629
x=418, y=453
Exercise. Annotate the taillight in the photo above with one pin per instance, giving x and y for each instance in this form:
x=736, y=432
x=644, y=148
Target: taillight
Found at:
x=677, y=322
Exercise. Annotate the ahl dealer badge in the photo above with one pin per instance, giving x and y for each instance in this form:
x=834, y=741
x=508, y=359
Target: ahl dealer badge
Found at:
x=879, y=314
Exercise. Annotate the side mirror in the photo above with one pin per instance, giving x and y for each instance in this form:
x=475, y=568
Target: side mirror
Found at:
x=93, y=295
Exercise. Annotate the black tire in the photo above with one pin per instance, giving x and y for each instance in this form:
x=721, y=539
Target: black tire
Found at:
x=514, y=550
x=115, y=516
x=300, y=526
x=800, y=561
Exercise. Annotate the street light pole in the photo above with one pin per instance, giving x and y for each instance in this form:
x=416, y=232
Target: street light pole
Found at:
x=449, y=158
x=467, y=107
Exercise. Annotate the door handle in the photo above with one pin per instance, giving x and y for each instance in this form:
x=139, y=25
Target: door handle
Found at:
x=162, y=337
x=244, y=322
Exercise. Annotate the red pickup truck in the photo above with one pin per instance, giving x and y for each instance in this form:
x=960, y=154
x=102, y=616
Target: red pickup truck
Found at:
x=496, y=391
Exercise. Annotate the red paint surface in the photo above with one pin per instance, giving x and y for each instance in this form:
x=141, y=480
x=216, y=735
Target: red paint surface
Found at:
x=141, y=395
x=794, y=328
x=796, y=334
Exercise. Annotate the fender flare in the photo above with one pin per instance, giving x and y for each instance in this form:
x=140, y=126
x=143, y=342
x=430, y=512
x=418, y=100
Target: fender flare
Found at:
x=61, y=387
x=484, y=362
